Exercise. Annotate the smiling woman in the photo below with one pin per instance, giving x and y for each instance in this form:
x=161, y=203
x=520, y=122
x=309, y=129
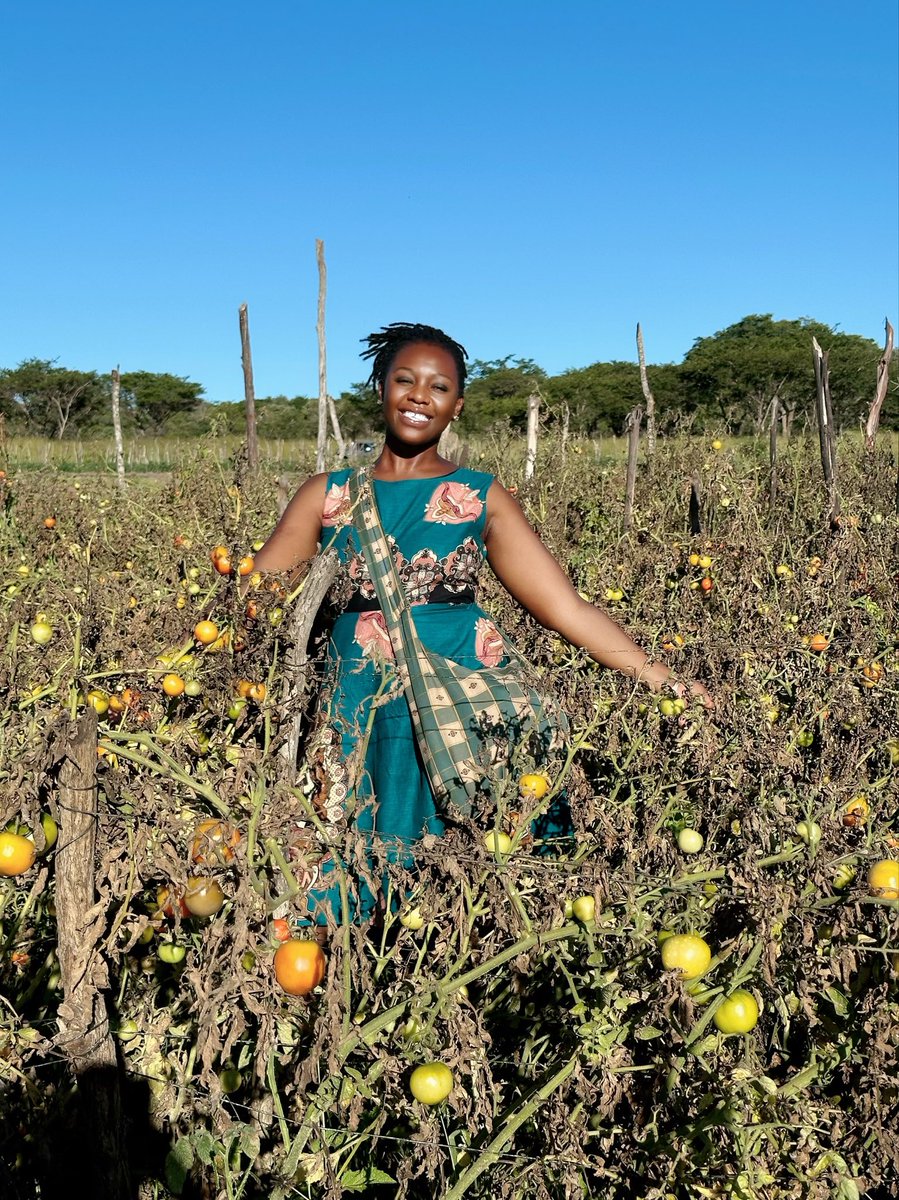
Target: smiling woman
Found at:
x=442, y=522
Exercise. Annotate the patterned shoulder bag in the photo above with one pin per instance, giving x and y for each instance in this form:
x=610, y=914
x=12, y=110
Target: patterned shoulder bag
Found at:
x=467, y=722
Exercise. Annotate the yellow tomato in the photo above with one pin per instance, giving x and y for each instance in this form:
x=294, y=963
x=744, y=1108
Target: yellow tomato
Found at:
x=883, y=879
x=738, y=1013
x=497, y=842
x=16, y=853
x=686, y=953
x=534, y=787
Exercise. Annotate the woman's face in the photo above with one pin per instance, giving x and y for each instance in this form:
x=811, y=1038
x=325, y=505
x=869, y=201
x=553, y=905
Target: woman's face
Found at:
x=420, y=395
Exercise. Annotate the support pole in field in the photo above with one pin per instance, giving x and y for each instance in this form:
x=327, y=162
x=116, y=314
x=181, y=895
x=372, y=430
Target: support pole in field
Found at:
x=249, y=394
x=322, y=440
x=648, y=397
x=321, y=575
x=695, y=506
x=772, y=456
x=826, y=435
x=335, y=429
x=566, y=425
x=283, y=494
x=632, y=425
x=117, y=430
x=84, y=1035
x=883, y=381
x=530, y=460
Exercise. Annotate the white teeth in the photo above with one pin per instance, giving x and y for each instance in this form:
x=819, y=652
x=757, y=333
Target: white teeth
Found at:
x=418, y=418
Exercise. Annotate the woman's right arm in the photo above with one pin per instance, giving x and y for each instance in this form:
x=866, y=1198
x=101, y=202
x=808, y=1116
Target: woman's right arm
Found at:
x=294, y=539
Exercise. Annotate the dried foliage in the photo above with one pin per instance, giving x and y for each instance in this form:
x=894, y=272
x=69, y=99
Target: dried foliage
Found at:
x=580, y=1067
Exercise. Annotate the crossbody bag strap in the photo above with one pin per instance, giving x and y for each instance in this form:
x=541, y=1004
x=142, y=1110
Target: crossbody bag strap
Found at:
x=378, y=558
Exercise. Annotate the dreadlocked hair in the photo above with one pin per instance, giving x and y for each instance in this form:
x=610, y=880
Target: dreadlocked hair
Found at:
x=383, y=348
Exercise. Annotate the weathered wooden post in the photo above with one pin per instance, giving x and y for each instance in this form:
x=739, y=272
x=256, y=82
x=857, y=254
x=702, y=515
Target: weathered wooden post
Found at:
x=249, y=394
x=772, y=456
x=117, y=430
x=321, y=575
x=826, y=435
x=632, y=425
x=322, y=440
x=335, y=428
x=883, y=380
x=84, y=1035
x=648, y=397
x=530, y=460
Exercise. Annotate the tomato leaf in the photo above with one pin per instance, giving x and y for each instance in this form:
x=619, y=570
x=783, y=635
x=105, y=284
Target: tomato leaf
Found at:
x=178, y=1163
x=358, y=1181
x=648, y=1032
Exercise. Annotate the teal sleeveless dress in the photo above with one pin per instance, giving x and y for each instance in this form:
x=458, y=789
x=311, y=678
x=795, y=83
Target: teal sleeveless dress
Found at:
x=364, y=748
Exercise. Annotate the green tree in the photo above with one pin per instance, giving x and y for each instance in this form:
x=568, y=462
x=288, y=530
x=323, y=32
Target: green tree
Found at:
x=498, y=391
x=740, y=372
x=49, y=400
x=155, y=398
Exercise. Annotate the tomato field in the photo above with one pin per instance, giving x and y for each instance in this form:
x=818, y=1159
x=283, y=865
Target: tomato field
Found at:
x=694, y=996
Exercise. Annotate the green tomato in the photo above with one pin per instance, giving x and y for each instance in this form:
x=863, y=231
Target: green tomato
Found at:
x=230, y=1079
x=810, y=832
x=690, y=841
x=411, y=918
x=583, y=909
x=170, y=953
x=42, y=633
x=497, y=842
x=51, y=831
x=738, y=1013
x=431, y=1082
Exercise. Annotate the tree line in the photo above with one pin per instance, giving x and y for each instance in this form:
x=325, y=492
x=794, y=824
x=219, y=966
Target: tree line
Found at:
x=733, y=379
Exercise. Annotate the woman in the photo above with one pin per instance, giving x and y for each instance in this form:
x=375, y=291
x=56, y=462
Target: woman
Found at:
x=442, y=521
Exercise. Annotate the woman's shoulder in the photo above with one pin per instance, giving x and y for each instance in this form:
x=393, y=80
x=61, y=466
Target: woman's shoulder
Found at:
x=479, y=481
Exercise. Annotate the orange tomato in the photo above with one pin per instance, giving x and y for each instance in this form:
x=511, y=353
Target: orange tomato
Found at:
x=49, y=522
x=16, y=853
x=206, y=632
x=818, y=642
x=243, y=689
x=246, y=564
x=281, y=929
x=222, y=565
x=258, y=692
x=706, y=583
x=299, y=966
x=214, y=841
x=219, y=552
x=173, y=685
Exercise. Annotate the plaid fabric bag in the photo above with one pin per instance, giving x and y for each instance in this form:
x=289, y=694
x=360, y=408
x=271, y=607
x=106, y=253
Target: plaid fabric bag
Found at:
x=467, y=722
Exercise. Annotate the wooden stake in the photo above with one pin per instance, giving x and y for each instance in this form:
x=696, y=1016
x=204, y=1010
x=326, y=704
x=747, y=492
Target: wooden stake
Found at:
x=632, y=425
x=772, y=456
x=249, y=393
x=84, y=1035
x=826, y=435
x=117, y=430
x=335, y=429
x=883, y=380
x=321, y=575
x=322, y=440
x=647, y=396
x=530, y=461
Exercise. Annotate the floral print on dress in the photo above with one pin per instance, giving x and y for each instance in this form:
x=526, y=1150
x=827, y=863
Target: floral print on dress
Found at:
x=453, y=504
x=371, y=634
x=462, y=566
x=489, y=647
x=420, y=575
x=337, y=507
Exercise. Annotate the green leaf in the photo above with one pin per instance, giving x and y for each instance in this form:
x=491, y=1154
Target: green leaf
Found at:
x=358, y=1180
x=848, y=1190
x=178, y=1163
x=204, y=1146
x=648, y=1032
x=838, y=1000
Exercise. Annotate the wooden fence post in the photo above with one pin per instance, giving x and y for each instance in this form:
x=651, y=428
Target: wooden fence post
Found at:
x=84, y=1035
x=772, y=456
x=648, y=397
x=883, y=380
x=321, y=575
x=117, y=430
x=530, y=461
x=322, y=439
x=335, y=429
x=826, y=435
x=249, y=393
x=632, y=425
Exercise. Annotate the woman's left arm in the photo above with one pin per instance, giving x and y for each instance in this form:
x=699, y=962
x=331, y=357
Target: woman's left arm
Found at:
x=532, y=576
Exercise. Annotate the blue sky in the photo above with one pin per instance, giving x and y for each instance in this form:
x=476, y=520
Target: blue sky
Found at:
x=533, y=177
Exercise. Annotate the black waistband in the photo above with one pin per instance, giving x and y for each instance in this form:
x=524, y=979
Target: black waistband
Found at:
x=438, y=595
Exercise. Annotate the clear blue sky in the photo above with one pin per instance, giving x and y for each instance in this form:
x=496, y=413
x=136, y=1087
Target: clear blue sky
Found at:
x=533, y=177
